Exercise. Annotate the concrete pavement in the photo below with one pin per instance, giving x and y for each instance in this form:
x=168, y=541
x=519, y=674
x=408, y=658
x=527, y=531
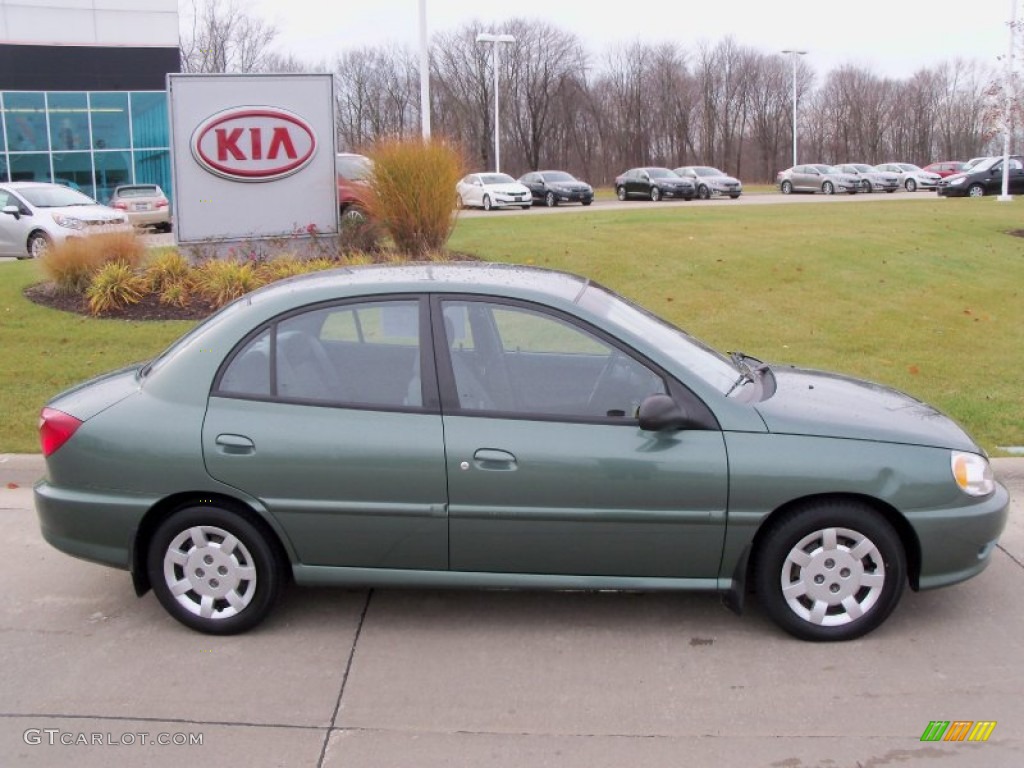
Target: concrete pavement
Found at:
x=355, y=678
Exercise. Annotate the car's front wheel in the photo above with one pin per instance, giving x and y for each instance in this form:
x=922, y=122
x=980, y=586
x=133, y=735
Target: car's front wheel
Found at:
x=550, y=200
x=976, y=190
x=38, y=244
x=911, y=185
x=828, y=188
x=703, y=192
x=620, y=193
x=655, y=194
x=830, y=570
x=487, y=202
x=213, y=570
x=787, y=188
x=865, y=186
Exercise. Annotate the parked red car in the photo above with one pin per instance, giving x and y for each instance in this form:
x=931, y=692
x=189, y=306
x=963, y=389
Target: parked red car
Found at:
x=352, y=171
x=945, y=168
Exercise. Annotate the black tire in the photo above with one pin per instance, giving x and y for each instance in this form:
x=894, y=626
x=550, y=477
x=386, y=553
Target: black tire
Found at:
x=703, y=192
x=890, y=191
x=353, y=216
x=976, y=190
x=828, y=188
x=620, y=192
x=655, y=194
x=550, y=200
x=911, y=185
x=487, y=202
x=526, y=207
x=734, y=197
x=586, y=202
x=38, y=244
x=810, y=549
x=866, y=186
x=237, y=587
x=787, y=187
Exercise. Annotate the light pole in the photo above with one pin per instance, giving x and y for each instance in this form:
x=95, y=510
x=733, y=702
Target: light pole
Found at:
x=1008, y=106
x=793, y=54
x=487, y=37
x=424, y=73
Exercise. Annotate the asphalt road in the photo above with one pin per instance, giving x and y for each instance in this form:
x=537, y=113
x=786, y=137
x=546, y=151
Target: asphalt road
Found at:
x=366, y=679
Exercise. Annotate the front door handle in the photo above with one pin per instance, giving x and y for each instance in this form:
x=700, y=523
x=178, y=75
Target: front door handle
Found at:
x=492, y=458
x=235, y=444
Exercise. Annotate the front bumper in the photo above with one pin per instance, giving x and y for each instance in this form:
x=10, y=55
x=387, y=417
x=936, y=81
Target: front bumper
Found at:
x=945, y=190
x=503, y=201
x=686, y=193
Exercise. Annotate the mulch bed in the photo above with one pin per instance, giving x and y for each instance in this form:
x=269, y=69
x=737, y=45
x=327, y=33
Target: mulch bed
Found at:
x=148, y=308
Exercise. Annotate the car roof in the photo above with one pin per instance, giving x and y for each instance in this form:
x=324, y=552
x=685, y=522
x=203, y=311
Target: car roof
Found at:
x=29, y=184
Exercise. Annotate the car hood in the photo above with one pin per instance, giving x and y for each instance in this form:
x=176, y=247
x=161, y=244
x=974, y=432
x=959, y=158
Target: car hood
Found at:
x=826, y=404
x=721, y=179
x=582, y=186
x=99, y=214
x=668, y=181
x=513, y=188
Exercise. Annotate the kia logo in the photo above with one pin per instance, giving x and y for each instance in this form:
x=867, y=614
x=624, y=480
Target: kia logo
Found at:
x=253, y=143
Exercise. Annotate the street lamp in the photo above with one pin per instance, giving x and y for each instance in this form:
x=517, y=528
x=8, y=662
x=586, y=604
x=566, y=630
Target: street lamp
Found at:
x=794, y=53
x=1008, y=106
x=487, y=37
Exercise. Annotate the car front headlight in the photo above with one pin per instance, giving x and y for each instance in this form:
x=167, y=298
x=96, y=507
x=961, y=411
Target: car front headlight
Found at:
x=972, y=473
x=957, y=180
x=70, y=222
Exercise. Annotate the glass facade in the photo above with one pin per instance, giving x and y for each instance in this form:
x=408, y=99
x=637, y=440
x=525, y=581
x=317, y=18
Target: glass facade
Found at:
x=89, y=140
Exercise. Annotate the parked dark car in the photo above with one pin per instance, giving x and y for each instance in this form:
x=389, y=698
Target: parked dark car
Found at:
x=653, y=183
x=711, y=182
x=554, y=187
x=486, y=425
x=985, y=178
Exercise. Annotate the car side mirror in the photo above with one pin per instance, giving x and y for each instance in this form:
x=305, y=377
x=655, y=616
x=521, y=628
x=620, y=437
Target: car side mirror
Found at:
x=658, y=413
x=12, y=210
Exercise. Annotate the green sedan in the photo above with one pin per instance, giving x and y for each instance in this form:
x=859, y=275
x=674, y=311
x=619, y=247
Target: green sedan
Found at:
x=494, y=426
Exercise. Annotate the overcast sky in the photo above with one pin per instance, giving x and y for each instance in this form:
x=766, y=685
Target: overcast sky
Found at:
x=890, y=37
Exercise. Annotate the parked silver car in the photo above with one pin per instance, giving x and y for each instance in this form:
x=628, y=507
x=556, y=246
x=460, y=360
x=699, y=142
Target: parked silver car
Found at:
x=818, y=177
x=711, y=182
x=35, y=215
x=871, y=179
x=912, y=177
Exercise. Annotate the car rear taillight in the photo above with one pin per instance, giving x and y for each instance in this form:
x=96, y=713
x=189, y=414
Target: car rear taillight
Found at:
x=120, y=205
x=161, y=203
x=55, y=429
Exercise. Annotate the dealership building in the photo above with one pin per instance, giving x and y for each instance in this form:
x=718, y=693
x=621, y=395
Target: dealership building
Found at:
x=83, y=97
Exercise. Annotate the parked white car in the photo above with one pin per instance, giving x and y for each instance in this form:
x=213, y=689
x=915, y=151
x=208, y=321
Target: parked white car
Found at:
x=492, y=190
x=35, y=215
x=911, y=176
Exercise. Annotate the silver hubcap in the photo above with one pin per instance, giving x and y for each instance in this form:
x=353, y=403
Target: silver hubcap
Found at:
x=210, y=572
x=38, y=247
x=833, y=577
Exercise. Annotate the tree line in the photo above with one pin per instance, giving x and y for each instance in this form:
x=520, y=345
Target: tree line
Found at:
x=720, y=104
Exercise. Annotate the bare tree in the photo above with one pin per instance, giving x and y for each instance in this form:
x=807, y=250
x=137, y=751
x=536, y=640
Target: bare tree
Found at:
x=221, y=36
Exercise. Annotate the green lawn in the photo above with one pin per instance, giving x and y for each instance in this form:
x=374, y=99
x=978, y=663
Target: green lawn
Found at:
x=926, y=296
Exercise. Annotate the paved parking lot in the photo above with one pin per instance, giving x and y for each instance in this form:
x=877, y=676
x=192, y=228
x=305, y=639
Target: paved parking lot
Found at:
x=356, y=678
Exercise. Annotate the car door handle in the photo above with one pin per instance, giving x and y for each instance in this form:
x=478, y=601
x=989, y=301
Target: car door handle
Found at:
x=492, y=458
x=235, y=444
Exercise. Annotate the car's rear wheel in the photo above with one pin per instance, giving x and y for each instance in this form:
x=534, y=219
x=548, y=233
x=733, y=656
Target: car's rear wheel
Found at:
x=38, y=244
x=655, y=194
x=487, y=202
x=587, y=202
x=213, y=570
x=830, y=570
x=911, y=185
x=828, y=188
x=976, y=190
x=787, y=188
x=620, y=192
x=550, y=200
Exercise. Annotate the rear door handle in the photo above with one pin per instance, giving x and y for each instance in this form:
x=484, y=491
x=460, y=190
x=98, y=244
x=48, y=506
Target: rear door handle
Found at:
x=235, y=444
x=492, y=458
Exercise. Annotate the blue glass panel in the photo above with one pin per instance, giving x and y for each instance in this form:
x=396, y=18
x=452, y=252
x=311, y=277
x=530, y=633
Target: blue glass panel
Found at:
x=74, y=169
x=109, y=120
x=150, y=124
x=112, y=168
x=154, y=167
x=30, y=166
x=69, y=121
x=25, y=117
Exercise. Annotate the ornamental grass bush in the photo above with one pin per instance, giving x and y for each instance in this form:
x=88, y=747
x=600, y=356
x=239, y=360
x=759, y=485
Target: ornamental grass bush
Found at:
x=70, y=265
x=114, y=285
x=412, y=192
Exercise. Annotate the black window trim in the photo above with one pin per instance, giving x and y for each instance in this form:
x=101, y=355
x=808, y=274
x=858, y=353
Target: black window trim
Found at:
x=431, y=402
x=449, y=401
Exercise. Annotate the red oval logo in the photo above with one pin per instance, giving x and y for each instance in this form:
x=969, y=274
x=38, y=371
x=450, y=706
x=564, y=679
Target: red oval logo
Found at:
x=253, y=143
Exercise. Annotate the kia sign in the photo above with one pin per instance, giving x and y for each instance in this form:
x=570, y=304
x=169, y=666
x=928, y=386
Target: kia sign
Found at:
x=253, y=157
x=253, y=143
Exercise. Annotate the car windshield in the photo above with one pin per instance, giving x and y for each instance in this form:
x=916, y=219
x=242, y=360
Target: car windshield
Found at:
x=826, y=168
x=862, y=168
x=908, y=167
x=497, y=178
x=353, y=167
x=705, y=170
x=987, y=163
x=558, y=176
x=137, y=191
x=662, y=173
x=691, y=353
x=55, y=197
